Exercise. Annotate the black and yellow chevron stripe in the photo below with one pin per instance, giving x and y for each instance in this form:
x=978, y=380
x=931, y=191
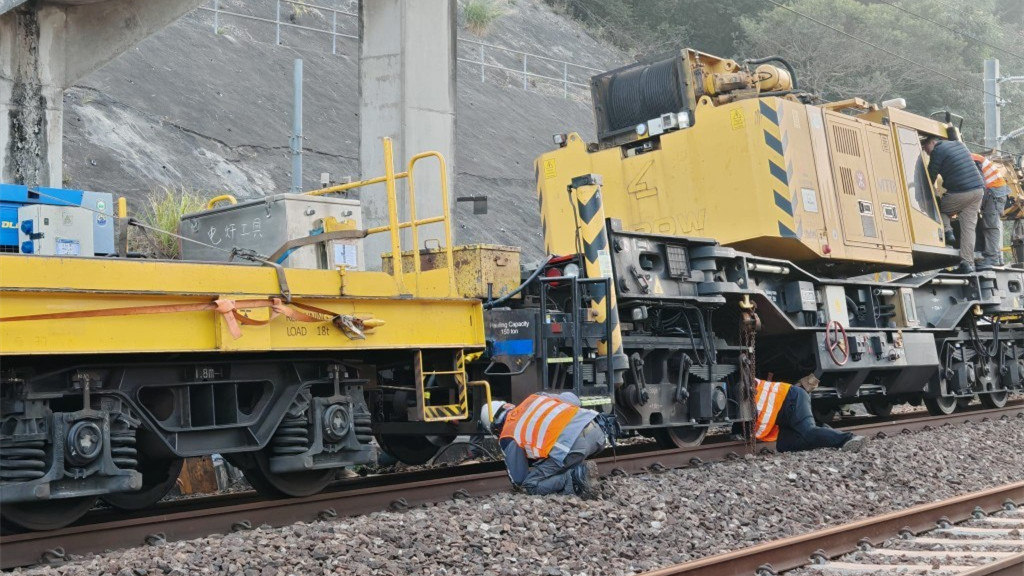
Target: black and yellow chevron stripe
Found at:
x=442, y=413
x=540, y=206
x=590, y=211
x=778, y=171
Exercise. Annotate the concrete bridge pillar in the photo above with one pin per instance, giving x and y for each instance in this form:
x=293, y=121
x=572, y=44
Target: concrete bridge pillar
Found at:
x=407, y=91
x=47, y=47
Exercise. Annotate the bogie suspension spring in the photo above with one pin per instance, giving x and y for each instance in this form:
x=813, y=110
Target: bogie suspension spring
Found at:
x=122, y=443
x=292, y=436
x=23, y=461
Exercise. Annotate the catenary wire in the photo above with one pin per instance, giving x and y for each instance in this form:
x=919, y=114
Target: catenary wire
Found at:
x=1018, y=33
x=953, y=30
x=877, y=47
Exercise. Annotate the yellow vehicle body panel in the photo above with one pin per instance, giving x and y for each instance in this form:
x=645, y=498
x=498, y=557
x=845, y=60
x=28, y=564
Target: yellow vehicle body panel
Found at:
x=771, y=176
x=34, y=285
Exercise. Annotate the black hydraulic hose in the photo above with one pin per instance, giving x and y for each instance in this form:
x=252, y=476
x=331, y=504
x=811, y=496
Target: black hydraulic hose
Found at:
x=506, y=297
x=781, y=93
x=780, y=60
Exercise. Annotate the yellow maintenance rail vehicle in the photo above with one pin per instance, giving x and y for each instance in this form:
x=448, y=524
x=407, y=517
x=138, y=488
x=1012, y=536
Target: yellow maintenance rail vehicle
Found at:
x=746, y=229
x=116, y=369
x=739, y=156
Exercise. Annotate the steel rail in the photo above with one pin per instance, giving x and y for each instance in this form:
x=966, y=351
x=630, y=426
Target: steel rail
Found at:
x=186, y=519
x=796, y=551
x=1012, y=566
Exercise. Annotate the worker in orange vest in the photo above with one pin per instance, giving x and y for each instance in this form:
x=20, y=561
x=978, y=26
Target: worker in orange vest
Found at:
x=555, y=434
x=996, y=193
x=784, y=417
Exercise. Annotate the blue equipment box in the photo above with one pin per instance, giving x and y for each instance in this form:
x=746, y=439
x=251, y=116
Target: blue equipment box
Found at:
x=14, y=196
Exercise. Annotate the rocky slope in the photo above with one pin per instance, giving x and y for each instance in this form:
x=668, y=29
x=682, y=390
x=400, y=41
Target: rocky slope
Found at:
x=209, y=109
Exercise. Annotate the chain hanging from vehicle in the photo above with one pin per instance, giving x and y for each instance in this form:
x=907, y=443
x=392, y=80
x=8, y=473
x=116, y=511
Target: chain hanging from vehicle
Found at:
x=750, y=324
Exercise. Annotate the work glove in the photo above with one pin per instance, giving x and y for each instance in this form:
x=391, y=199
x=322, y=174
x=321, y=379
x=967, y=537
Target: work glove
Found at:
x=808, y=383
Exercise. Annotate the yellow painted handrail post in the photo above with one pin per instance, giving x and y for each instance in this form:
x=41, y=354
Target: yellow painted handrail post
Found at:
x=414, y=225
x=447, y=224
x=396, y=241
x=346, y=187
x=446, y=216
x=487, y=395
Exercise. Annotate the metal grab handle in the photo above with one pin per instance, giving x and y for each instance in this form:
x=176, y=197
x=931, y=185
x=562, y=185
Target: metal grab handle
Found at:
x=487, y=371
x=213, y=201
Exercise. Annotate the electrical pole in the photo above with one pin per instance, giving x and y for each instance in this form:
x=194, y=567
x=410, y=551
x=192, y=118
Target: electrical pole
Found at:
x=992, y=103
x=296, y=143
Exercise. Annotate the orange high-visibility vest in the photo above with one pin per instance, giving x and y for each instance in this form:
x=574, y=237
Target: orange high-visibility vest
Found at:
x=536, y=424
x=989, y=171
x=770, y=396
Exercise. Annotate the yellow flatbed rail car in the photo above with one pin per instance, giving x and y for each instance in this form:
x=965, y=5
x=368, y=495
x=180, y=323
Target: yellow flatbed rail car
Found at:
x=114, y=370
x=54, y=305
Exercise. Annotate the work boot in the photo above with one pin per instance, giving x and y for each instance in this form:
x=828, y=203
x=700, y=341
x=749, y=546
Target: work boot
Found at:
x=853, y=444
x=950, y=238
x=583, y=477
x=963, y=268
x=989, y=263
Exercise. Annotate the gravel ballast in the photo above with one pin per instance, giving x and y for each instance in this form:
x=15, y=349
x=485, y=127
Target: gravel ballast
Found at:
x=638, y=524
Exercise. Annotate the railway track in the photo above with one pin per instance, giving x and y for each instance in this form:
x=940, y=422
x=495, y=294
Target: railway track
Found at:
x=954, y=536
x=194, y=518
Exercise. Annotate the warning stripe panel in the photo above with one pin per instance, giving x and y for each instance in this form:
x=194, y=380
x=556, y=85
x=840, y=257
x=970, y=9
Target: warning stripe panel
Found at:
x=776, y=144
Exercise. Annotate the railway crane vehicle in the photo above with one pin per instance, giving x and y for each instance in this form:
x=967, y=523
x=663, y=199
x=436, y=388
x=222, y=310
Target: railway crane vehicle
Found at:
x=743, y=228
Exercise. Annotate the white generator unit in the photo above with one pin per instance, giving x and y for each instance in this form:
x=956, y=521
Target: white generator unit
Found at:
x=266, y=224
x=47, y=230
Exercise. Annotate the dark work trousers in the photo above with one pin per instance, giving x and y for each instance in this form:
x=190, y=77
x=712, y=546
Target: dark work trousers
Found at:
x=796, y=426
x=549, y=476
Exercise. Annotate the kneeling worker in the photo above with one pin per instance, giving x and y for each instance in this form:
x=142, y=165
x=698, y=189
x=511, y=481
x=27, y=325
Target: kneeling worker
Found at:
x=784, y=416
x=553, y=433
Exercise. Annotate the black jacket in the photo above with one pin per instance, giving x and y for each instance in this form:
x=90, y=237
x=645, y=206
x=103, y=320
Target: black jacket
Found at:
x=953, y=161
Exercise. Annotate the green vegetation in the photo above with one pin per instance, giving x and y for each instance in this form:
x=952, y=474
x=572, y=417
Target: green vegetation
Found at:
x=947, y=40
x=480, y=14
x=163, y=211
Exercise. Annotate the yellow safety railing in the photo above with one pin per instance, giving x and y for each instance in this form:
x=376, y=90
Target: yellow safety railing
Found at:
x=394, y=227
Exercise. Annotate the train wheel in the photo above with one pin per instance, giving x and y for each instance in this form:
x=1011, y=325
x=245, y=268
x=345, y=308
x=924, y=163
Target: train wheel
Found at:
x=680, y=436
x=879, y=407
x=941, y=406
x=285, y=484
x=47, y=514
x=158, y=477
x=411, y=449
x=994, y=399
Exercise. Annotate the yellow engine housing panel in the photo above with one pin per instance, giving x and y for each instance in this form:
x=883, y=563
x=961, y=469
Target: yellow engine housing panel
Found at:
x=771, y=176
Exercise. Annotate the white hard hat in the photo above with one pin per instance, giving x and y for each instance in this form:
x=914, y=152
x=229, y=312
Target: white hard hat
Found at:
x=498, y=408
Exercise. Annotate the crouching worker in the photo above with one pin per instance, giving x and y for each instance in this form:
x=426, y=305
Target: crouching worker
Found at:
x=546, y=440
x=784, y=417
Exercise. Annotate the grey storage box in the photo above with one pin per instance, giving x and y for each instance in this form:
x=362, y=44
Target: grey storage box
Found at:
x=55, y=230
x=266, y=224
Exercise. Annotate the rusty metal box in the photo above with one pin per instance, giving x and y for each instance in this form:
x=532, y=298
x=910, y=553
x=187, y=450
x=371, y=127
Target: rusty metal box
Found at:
x=476, y=266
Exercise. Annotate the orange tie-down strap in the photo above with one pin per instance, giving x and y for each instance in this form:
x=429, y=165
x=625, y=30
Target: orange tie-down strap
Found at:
x=229, y=309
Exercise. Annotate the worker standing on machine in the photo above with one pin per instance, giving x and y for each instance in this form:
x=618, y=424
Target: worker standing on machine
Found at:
x=996, y=193
x=784, y=417
x=964, y=192
x=555, y=434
